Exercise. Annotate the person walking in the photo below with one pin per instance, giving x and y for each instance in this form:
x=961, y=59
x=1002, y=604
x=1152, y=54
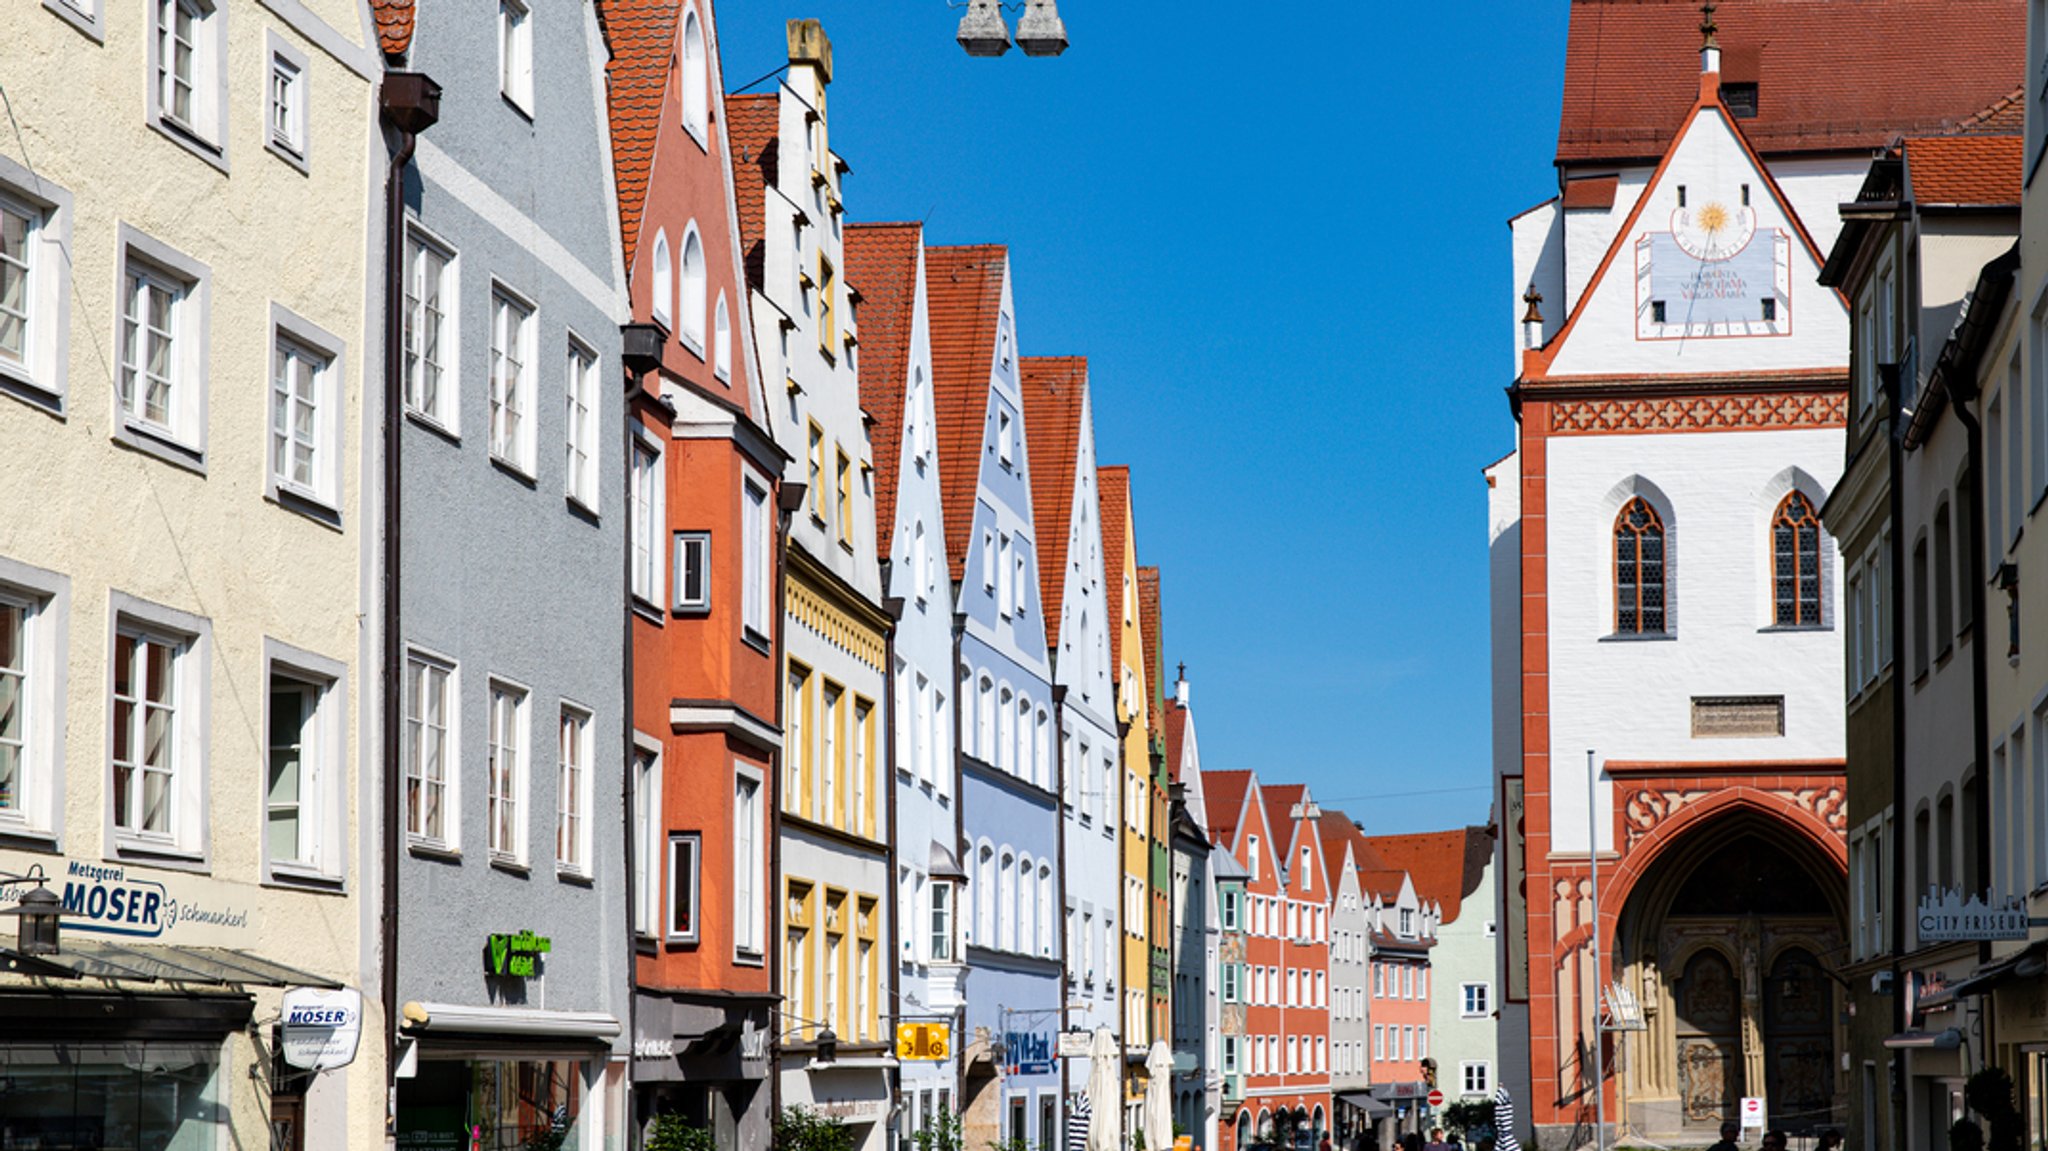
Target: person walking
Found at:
x=1729, y=1131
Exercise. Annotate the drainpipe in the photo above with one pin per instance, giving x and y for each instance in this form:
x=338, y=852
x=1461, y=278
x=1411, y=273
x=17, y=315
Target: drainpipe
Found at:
x=1891, y=375
x=789, y=499
x=640, y=354
x=1059, y=769
x=963, y=699
x=1964, y=391
x=409, y=103
x=893, y=604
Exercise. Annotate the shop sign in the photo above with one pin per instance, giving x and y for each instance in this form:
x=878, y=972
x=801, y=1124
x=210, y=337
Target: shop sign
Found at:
x=321, y=1026
x=1947, y=917
x=103, y=899
x=1029, y=1052
x=753, y=1051
x=1075, y=1044
x=516, y=956
x=852, y=1110
x=923, y=1041
x=662, y=1047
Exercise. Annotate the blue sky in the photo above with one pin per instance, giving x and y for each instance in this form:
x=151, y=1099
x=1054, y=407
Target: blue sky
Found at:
x=1278, y=231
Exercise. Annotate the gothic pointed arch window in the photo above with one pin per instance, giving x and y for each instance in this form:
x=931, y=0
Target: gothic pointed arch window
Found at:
x=1795, y=562
x=1639, y=569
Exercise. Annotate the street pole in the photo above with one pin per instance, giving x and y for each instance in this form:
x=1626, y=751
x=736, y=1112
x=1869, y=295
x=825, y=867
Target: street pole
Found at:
x=1593, y=857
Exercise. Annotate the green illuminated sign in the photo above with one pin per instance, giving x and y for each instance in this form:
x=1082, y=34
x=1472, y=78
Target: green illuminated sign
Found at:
x=516, y=955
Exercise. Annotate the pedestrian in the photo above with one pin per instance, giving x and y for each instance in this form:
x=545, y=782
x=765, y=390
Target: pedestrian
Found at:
x=1324, y=1145
x=1504, y=1122
x=1729, y=1132
x=1830, y=1141
x=1774, y=1140
x=1436, y=1140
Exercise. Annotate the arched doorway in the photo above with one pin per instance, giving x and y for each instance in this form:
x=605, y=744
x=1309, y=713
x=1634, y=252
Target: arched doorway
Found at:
x=1725, y=940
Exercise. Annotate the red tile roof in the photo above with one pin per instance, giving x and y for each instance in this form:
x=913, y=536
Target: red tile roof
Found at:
x=1113, y=490
x=1830, y=76
x=881, y=261
x=1224, y=792
x=1446, y=866
x=751, y=123
x=1149, y=630
x=394, y=25
x=1280, y=800
x=643, y=42
x=1965, y=169
x=964, y=291
x=1591, y=192
x=1176, y=733
x=2007, y=117
x=1054, y=388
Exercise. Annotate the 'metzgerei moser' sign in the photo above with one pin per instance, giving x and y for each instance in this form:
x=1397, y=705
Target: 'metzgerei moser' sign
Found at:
x=1947, y=917
x=105, y=899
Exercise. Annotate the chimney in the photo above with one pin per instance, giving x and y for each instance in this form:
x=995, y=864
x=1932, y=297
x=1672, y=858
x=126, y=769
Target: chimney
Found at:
x=808, y=45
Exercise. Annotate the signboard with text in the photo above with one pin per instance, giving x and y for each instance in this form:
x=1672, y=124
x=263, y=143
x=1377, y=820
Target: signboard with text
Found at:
x=1946, y=916
x=321, y=1026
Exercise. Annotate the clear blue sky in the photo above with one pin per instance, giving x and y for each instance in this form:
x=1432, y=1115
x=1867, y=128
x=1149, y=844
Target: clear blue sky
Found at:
x=1278, y=231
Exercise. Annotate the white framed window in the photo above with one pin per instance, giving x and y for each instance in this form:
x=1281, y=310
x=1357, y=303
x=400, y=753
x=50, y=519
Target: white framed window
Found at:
x=512, y=386
x=679, y=917
x=988, y=560
x=305, y=735
x=304, y=452
x=430, y=331
x=1004, y=437
x=941, y=939
x=1006, y=573
x=285, y=102
x=505, y=768
x=721, y=340
x=690, y=302
x=696, y=94
x=1475, y=1078
x=648, y=498
x=515, y=54
x=663, y=303
x=1475, y=1000
x=188, y=42
x=758, y=562
x=432, y=786
x=693, y=572
x=647, y=837
x=35, y=280
x=750, y=864
x=84, y=15
x=580, y=439
x=34, y=615
x=157, y=742
x=161, y=394
x=572, y=793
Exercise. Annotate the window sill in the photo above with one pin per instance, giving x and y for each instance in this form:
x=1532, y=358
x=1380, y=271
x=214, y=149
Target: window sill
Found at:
x=644, y=945
x=582, y=510
x=431, y=849
x=92, y=27
x=18, y=383
x=514, y=469
x=513, y=103
x=305, y=879
x=676, y=941
x=694, y=346
x=757, y=641
x=1639, y=637
x=510, y=866
x=190, y=141
x=574, y=876
x=150, y=442
x=1772, y=629
x=434, y=424
x=20, y=837
x=291, y=156
x=648, y=611
x=749, y=959
x=159, y=855
x=690, y=610
x=304, y=504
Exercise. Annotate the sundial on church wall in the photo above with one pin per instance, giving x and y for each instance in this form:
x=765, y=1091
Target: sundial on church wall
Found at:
x=1713, y=273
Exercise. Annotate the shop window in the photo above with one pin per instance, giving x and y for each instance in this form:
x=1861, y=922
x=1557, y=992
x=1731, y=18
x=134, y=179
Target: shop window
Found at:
x=683, y=854
x=167, y=1095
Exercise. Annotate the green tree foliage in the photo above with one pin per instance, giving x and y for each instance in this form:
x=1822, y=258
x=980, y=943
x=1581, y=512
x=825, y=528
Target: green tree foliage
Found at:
x=1473, y=1118
x=674, y=1133
x=801, y=1129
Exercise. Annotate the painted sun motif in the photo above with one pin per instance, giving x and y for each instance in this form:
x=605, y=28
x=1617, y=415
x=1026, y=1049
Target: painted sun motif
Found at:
x=1713, y=218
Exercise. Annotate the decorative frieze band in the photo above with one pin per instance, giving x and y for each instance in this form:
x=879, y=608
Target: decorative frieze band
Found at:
x=1751, y=413
x=814, y=611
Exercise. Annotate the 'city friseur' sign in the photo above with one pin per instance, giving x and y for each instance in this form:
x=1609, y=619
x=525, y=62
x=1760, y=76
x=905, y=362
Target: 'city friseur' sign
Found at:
x=1947, y=917
x=516, y=956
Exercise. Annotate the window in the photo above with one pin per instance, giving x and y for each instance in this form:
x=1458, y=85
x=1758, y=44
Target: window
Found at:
x=647, y=502
x=758, y=563
x=1638, y=570
x=691, y=303
x=515, y=54
x=1921, y=654
x=815, y=493
x=664, y=282
x=680, y=922
x=580, y=440
x=796, y=746
x=157, y=746
x=1004, y=437
x=1944, y=581
x=1475, y=1078
x=285, y=121
x=1408, y=925
x=305, y=417
x=646, y=836
x=33, y=610
x=188, y=44
x=693, y=572
x=304, y=742
x=34, y=284
x=512, y=382
x=1795, y=563
x=844, y=475
x=721, y=340
x=505, y=768
x=1379, y=1041
x=859, y=819
x=429, y=330
x=1475, y=1000
x=162, y=390
x=430, y=785
x=941, y=923
x=572, y=794
x=1230, y=974
x=750, y=909
x=696, y=77
x=828, y=328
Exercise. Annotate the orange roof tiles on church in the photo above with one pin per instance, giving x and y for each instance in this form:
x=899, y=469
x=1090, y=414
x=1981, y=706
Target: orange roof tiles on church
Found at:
x=1829, y=76
x=1976, y=170
x=1224, y=792
x=1053, y=388
x=1113, y=491
x=394, y=25
x=881, y=262
x=1176, y=734
x=1445, y=866
x=964, y=292
x=642, y=35
x=1149, y=631
x=751, y=123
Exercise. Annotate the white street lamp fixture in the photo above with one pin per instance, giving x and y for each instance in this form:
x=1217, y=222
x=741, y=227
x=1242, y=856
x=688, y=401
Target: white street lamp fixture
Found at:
x=983, y=31
x=1040, y=32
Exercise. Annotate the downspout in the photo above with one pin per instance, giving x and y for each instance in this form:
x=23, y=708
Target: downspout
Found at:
x=789, y=498
x=639, y=354
x=962, y=700
x=1895, y=509
x=894, y=606
x=1964, y=391
x=1067, y=966
x=409, y=103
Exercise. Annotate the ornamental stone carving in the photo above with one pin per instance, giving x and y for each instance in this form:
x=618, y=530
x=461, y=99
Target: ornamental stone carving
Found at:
x=1827, y=409
x=1648, y=807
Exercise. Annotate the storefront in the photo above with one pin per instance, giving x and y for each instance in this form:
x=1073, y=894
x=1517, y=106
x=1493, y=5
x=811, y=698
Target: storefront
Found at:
x=853, y=1090
x=704, y=1056
x=506, y=1079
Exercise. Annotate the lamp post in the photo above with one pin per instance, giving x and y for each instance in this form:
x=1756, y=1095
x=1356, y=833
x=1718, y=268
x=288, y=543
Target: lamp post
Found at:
x=984, y=32
x=38, y=909
x=1593, y=858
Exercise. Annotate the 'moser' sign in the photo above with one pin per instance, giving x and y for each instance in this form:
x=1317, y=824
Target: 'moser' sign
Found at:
x=322, y=1027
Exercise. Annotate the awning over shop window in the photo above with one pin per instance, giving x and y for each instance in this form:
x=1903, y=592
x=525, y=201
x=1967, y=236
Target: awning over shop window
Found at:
x=1363, y=1101
x=1945, y=1040
x=160, y=963
x=2026, y=964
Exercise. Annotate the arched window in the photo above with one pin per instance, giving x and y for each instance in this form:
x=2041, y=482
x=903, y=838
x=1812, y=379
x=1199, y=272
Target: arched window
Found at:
x=985, y=898
x=1006, y=720
x=692, y=303
x=1027, y=767
x=721, y=340
x=985, y=721
x=1006, y=904
x=1638, y=569
x=1027, y=908
x=664, y=282
x=1045, y=910
x=1795, y=562
x=696, y=77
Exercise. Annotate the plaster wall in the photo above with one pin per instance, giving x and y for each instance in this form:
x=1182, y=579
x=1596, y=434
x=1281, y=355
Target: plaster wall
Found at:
x=1590, y=232
x=1465, y=953
x=1536, y=243
x=1631, y=698
x=1350, y=986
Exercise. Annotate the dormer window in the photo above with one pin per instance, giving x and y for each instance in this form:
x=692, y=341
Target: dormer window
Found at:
x=1741, y=99
x=1408, y=923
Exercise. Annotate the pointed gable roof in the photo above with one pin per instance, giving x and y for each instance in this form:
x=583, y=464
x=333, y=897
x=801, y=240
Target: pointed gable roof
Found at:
x=751, y=123
x=881, y=262
x=1445, y=866
x=1054, y=389
x=642, y=34
x=394, y=25
x=1225, y=793
x=1280, y=799
x=1830, y=76
x=1113, y=490
x=1338, y=837
x=1149, y=627
x=964, y=293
